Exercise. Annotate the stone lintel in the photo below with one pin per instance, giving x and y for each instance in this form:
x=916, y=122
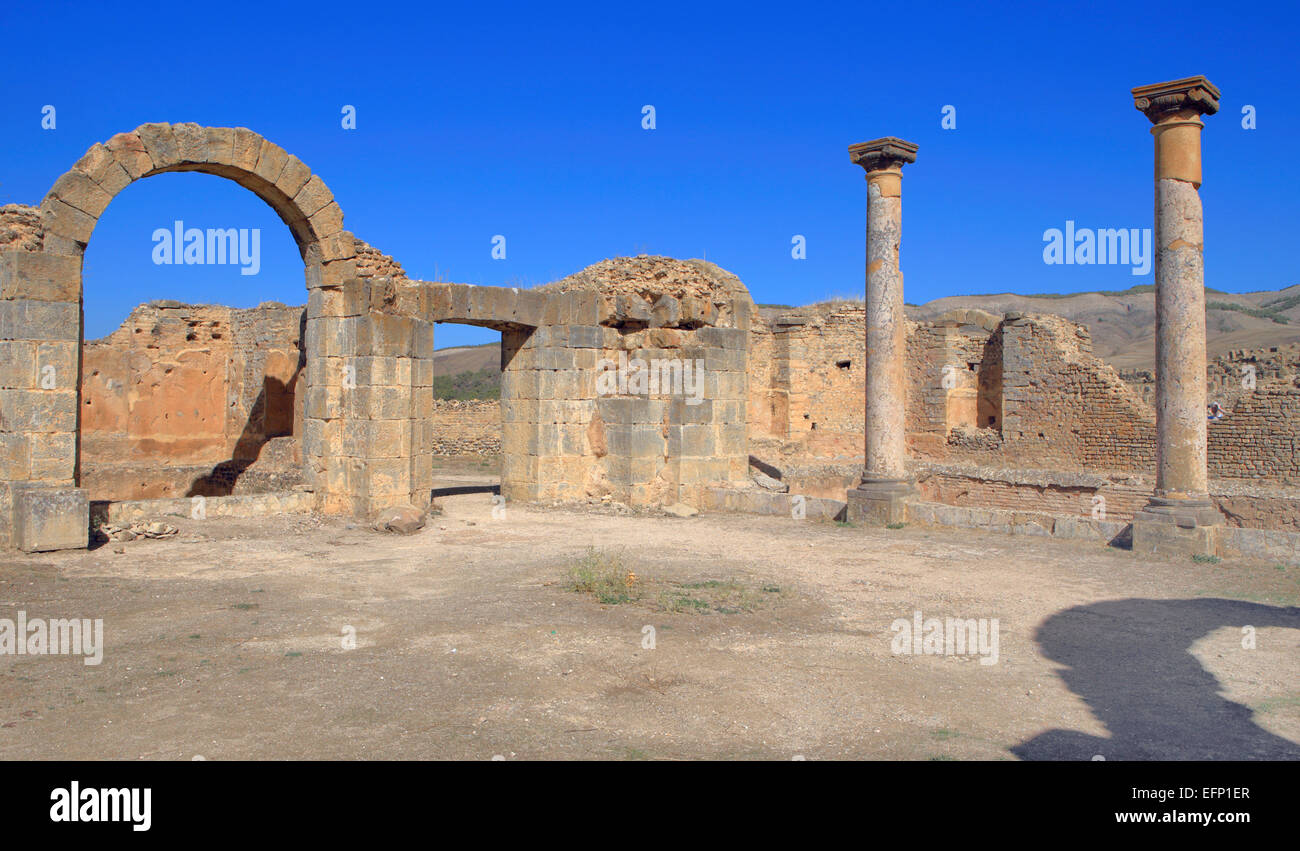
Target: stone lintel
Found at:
x=887, y=154
x=1177, y=98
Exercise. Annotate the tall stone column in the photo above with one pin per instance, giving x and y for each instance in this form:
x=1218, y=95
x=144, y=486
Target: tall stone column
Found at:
x=1180, y=516
x=885, y=480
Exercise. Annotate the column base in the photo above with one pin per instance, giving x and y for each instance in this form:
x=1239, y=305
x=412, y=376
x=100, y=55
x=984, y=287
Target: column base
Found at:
x=1178, y=527
x=879, y=501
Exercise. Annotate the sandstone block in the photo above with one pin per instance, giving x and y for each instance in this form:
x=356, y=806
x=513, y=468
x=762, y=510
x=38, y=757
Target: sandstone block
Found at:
x=66, y=221
x=28, y=319
x=529, y=307
x=15, y=458
x=327, y=222
x=191, y=142
x=40, y=277
x=160, y=144
x=245, y=147
x=313, y=197
x=271, y=160
x=293, y=178
x=53, y=457
x=46, y=519
x=219, y=145
x=667, y=312
x=101, y=166
x=131, y=155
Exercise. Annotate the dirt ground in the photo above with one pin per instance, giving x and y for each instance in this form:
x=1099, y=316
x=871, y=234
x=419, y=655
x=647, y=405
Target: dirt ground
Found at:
x=227, y=641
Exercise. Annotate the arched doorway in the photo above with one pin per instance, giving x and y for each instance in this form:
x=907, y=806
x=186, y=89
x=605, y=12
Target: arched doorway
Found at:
x=362, y=357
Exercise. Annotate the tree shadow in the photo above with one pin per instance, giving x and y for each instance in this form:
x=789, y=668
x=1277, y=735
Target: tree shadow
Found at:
x=1131, y=661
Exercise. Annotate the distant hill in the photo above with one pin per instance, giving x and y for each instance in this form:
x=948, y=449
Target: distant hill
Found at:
x=467, y=372
x=1122, y=323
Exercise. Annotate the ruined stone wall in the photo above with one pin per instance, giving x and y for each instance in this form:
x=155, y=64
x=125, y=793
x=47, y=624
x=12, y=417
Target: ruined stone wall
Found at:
x=1064, y=407
x=582, y=416
x=181, y=399
x=1262, y=505
x=1259, y=437
x=808, y=374
x=815, y=364
x=20, y=228
x=1231, y=376
x=1014, y=391
x=466, y=427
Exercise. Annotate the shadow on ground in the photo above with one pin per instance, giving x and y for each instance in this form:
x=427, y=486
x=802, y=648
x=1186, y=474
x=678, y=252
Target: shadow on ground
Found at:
x=1131, y=661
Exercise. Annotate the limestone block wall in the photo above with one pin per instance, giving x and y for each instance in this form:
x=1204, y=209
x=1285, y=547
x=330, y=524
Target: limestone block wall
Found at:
x=465, y=427
x=366, y=434
x=40, y=336
x=568, y=434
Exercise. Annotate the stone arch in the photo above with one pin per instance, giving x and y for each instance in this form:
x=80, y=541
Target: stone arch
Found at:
x=74, y=204
x=347, y=339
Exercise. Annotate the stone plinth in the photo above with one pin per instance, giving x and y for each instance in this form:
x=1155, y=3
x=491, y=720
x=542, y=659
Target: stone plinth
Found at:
x=50, y=518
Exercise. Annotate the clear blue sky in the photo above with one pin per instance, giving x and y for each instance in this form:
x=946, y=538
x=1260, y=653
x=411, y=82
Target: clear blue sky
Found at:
x=525, y=121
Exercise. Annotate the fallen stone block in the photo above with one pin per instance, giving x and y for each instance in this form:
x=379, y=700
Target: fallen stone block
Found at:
x=46, y=518
x=402, y=519
x=680, y=509
x=768, y=483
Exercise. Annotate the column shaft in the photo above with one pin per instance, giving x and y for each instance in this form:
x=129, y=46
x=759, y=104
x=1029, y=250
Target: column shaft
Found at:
x=1181, y=448
x=885, y=449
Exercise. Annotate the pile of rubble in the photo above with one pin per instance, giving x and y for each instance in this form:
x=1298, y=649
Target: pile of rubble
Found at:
x=138, y=529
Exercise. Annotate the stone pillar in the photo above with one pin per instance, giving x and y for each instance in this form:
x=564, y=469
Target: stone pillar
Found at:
x=885, y=480
x=1179, y=518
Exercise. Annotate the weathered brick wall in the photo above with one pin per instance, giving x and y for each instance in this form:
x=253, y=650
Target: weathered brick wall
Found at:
x=1258, y=437
x=1062, y=406
x=1048, y=492
x=466, y=427
x=816, y=362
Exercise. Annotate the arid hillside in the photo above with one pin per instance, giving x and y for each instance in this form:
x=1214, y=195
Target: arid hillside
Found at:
x=1123, y=323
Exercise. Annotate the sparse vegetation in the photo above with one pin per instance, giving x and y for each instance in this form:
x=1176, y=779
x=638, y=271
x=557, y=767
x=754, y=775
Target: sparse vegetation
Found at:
x=1258, y=312
x=480, y=384
x=1204, y=559
x=609, y=577
x=1284, y=303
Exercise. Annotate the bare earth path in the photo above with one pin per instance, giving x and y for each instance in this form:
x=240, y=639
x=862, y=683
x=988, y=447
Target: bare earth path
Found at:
x=227, y=642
